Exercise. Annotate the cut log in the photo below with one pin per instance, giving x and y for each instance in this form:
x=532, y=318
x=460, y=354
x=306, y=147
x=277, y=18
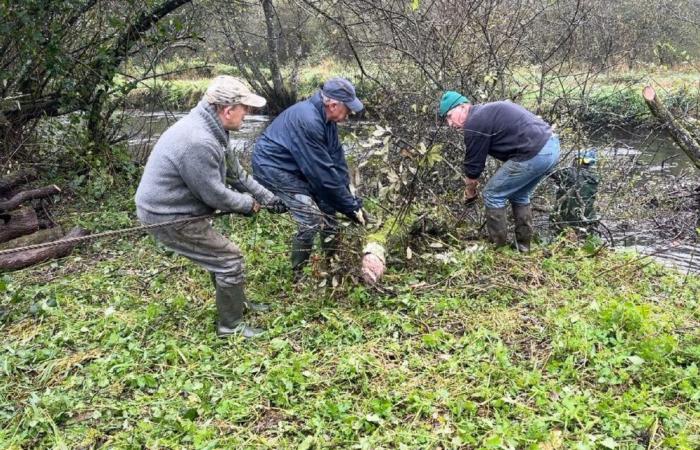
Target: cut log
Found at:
x=24, y=196
x=14, y=261
x=17, y=178
x=18, y=223
x=679, y=133
x=41, y=236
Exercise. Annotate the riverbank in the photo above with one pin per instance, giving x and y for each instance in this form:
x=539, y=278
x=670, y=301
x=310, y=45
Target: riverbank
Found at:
x=613, y=99
x=461, y=347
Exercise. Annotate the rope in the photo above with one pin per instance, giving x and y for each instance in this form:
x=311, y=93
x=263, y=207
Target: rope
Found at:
x=124, y=231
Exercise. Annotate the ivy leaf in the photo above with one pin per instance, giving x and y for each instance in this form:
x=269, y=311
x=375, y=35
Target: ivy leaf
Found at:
x=608, y=442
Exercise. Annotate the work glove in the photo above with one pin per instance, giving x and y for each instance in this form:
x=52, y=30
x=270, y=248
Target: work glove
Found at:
x=276, y=206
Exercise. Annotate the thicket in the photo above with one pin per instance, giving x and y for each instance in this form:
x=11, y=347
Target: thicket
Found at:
x=81, y=58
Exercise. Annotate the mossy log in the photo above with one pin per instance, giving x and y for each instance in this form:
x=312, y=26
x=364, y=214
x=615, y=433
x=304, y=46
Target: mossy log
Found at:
x=32, y=194
x=18, y=223
x=20, y=260
x=41, y=236
x=685, y=140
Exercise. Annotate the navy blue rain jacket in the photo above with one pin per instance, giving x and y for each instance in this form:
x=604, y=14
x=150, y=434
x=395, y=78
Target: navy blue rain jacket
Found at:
x=305, y=147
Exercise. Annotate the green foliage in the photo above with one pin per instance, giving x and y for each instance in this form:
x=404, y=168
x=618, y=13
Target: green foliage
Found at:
x=511, y=351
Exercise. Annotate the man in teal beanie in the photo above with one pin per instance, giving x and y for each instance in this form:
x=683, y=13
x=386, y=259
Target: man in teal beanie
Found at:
x=510, y=133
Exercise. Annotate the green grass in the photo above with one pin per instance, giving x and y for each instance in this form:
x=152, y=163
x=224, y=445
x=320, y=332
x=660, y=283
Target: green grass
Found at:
x=115, y=347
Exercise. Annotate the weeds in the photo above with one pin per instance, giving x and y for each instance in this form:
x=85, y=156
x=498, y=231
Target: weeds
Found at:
x=116, y=347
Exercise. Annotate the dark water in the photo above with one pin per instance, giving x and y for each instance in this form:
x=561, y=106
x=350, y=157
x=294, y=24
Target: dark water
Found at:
x=645, y=157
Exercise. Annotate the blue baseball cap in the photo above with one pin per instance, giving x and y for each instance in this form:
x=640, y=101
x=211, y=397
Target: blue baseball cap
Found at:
x=342, y=90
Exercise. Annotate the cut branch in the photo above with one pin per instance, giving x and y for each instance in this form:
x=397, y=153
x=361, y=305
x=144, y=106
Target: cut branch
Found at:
x=28, y=258
x=41, y=236
x=18, y=223
x=29, y=195
x=679, y=133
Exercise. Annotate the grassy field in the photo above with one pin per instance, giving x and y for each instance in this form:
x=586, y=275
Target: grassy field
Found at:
x=463, y=347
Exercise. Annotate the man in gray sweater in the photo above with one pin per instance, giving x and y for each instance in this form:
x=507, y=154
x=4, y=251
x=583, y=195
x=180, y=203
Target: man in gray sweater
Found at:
x=187, y=175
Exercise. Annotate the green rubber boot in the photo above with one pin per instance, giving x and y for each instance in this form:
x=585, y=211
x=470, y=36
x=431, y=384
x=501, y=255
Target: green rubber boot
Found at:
x=301, y=252
x=496, y=225
x=250, y=306
x=230, y=305
x=522, y=215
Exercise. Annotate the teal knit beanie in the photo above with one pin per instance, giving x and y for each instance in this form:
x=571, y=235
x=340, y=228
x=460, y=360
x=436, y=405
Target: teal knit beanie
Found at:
x=449, y=100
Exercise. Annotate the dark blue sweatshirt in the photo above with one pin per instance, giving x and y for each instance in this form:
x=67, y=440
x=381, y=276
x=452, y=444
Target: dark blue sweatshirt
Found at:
x=503, y=130
x=305, y=147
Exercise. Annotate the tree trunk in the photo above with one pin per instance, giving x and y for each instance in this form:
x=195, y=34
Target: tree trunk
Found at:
x=680, y=135
x=17, y=178
x=14, y=261
x=41, y=236
x=18, y=223
x=283, y=97
x=24, y=196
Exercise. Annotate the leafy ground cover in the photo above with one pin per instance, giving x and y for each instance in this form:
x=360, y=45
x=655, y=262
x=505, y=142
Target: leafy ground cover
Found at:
x=464, y=347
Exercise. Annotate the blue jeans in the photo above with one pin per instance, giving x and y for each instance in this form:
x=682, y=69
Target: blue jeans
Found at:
x=516, y=180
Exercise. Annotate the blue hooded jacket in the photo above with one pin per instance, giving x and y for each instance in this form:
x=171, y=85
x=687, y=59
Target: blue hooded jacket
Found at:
x=300, y=152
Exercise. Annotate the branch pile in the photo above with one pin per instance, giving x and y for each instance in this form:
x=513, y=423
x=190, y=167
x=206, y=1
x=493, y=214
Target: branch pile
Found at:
x=20, y=223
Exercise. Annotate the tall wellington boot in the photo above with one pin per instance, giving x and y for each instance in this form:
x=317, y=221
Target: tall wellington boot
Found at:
x=522, y=215
x=496, y=225
x=230, y=305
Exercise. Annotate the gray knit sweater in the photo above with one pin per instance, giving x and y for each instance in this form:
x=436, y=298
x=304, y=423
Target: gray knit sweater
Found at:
x=186, y=173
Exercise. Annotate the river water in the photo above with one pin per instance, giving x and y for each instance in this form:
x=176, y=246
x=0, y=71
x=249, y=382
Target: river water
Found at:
x=648, y=159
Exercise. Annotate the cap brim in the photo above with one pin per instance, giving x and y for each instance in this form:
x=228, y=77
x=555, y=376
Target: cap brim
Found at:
x=253, y=100
x=355, y=105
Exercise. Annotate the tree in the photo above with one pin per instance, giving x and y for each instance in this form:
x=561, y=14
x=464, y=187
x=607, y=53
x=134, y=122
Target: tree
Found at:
x=59, y=57
x=260, y=57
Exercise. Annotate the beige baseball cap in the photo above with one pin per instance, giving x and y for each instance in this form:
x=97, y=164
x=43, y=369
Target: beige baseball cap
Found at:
x=228, y=90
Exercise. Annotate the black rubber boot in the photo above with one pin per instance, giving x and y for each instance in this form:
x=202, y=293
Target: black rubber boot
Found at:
x=230, y=305
x=522, y=214
x=496, y=225
x=250, y=306
x=301, y=251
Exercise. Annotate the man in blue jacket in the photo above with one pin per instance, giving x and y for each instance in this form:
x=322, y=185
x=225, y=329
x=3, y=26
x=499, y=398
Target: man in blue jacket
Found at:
x=514, y=135
x=299, y=158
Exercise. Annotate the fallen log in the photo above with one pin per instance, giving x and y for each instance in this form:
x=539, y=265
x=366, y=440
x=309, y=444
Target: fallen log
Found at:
x=14, y=261
x=15, y=179
x=41, y=236
x=18, y=223
x=679, y=133
x=32, y=194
